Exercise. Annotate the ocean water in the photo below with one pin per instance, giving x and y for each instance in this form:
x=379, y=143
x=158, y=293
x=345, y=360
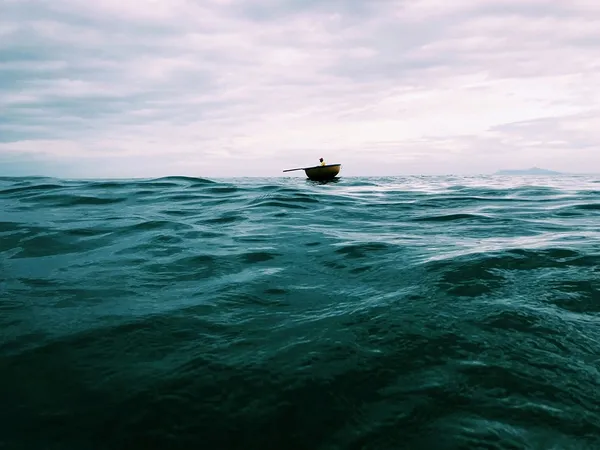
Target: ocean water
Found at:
x=365, y=313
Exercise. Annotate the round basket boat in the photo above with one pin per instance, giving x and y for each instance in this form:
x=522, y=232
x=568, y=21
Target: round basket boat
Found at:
x=321, y=173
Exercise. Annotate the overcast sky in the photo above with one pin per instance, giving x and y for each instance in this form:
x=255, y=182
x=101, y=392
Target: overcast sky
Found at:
x=216, y=88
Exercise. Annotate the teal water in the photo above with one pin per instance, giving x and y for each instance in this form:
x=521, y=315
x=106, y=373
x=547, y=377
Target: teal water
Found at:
x=367, y=313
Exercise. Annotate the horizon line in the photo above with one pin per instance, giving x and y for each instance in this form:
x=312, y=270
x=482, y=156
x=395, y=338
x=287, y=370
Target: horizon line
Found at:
x=302, y=177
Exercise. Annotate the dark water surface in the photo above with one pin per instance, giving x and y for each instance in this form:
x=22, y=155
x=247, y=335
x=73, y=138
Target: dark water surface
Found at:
x=368, y=313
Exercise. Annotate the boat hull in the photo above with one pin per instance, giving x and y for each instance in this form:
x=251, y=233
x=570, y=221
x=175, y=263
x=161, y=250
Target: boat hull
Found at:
x=320, y=173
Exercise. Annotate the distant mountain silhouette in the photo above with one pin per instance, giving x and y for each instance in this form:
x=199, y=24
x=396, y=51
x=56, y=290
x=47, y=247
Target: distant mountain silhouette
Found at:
x=531, y=171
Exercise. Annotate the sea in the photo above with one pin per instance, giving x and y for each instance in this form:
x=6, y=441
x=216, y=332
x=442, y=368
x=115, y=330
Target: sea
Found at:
x=416, y=312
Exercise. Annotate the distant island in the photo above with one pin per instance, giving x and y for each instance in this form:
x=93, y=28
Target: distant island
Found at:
x=531, y=171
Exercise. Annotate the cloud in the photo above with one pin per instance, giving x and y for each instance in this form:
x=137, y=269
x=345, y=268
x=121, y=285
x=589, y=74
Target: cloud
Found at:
x=247, y=87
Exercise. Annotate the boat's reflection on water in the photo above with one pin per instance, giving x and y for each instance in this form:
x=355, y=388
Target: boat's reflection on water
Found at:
x=332, y=180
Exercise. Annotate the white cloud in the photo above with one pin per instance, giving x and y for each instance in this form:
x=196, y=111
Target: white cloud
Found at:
x=232, y=87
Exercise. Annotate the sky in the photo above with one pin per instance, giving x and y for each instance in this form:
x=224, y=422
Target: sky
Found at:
x=233, y=88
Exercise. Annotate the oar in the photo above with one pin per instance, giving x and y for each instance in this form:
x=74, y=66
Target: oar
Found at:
x=291, y=170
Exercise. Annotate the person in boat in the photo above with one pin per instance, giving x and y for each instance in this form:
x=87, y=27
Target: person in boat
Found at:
x=322, y=162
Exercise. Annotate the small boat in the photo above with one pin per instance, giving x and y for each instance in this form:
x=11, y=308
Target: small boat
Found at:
x=320, y=173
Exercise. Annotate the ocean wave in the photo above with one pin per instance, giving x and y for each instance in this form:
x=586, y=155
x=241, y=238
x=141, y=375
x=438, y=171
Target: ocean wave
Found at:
x=178, y=179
